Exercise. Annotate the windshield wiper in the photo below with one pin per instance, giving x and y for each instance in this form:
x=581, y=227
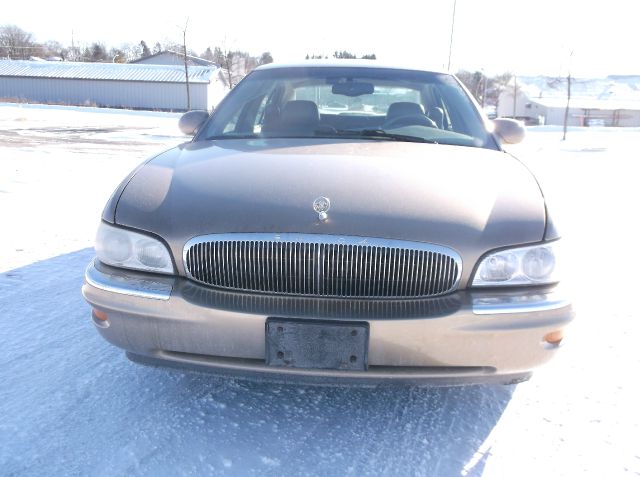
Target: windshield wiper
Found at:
x=232, y=136
x=355, y=133
x=381, y=134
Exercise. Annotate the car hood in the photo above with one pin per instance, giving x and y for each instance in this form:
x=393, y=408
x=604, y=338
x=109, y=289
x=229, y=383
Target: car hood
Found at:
x=469, y=199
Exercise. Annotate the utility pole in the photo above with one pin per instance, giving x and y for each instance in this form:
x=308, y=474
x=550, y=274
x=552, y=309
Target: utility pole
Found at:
x=484, y=89
x=566, y=110
x=186, y=66
x=515, y=94
x=453, y=21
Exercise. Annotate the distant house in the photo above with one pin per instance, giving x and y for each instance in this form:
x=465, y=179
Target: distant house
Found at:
x=132, y=86
x=168, y=57
x=611, y=101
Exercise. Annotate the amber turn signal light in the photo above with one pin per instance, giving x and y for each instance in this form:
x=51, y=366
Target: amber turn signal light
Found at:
x=554, y=338
x=101, y=315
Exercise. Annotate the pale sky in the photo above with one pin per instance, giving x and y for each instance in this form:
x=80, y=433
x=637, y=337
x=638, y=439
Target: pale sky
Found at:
x=522, y=37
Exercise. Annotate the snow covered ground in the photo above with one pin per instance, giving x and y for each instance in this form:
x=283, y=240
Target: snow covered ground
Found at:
x=71, y=404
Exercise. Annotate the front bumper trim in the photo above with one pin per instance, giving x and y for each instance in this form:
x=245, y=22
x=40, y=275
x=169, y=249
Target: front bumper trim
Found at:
x=154, y=288
x=376, y=375
x=518, y=303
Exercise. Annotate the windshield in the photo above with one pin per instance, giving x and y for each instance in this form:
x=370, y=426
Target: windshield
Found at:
x=349, y=103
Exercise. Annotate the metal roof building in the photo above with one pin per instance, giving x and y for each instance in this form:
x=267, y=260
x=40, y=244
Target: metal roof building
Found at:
x=169, y=57
x=135, y=86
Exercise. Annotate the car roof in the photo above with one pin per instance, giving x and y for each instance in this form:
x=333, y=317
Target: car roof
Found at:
x=343, y=63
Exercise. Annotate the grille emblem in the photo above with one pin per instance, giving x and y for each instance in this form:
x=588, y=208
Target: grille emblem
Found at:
x=322, y=205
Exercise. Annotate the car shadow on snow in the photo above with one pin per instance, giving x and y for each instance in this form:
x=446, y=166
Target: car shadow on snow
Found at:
x=73, y=404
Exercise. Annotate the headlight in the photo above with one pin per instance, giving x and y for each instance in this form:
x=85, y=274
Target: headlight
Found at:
x=530, y=265
x=123, y=248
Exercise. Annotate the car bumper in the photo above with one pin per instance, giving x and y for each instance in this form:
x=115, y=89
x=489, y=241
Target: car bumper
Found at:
x=464, y=337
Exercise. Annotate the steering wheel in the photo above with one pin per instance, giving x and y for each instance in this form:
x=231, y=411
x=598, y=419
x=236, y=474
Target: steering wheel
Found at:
x=410, y=120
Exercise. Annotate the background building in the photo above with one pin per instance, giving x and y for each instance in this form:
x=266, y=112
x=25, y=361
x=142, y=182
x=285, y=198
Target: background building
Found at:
x=168, y=57
x=132, y=86
x=610, y=101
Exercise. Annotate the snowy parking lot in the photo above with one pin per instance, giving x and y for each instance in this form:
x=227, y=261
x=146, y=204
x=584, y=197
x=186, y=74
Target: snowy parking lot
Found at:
x=71, y=404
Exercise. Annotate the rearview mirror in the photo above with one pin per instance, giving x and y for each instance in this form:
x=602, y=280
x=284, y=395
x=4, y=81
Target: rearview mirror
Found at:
x=352, y=88
x=190, y=122
x=508, y=130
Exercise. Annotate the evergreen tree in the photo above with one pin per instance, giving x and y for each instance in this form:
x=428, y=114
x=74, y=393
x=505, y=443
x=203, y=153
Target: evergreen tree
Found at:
x=344, y=55
x=145, y=49
x=98, y=53
x=265, y=58
x=219, y=57
x=208, y=54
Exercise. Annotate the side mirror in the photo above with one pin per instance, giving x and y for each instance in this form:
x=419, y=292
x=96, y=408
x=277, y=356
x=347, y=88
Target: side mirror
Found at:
x=191, y=121
x=508, y=130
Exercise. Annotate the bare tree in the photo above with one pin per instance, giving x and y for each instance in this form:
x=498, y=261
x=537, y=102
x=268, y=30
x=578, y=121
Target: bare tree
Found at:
x=186, y=62
x=249, y=63
x=131, y=51
x=170, y=45
x=485, y=89
x=15, y=43
x=236, y=64
x=227, y=65
x=224, y=57
x=496, y=85
x=55, y=49
x=118, y=55
x=74, y=53
x=218, y=56
x=472, y=81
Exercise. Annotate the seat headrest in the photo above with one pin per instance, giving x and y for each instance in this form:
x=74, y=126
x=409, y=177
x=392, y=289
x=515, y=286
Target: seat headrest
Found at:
x=404, y=108
x=300, y=113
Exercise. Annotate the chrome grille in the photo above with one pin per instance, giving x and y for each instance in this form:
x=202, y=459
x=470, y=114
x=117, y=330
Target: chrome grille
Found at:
x=322, y=265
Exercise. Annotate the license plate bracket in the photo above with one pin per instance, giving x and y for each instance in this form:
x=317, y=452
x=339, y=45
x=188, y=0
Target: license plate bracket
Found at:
x=316, y=344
